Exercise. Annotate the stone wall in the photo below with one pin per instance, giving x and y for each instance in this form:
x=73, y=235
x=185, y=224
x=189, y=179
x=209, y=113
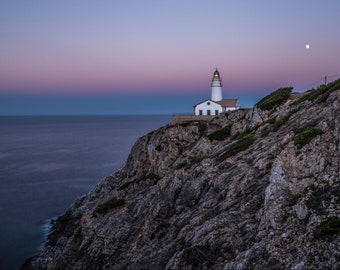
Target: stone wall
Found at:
x=176, y=119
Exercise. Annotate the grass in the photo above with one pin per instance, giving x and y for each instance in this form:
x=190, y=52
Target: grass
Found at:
x=306, y=136
x=274, y=99
x=108, y=205
x=221, y=134
x=238, y=146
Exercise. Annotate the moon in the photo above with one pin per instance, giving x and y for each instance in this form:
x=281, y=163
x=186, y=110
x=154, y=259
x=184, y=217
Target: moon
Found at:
x=307, y=46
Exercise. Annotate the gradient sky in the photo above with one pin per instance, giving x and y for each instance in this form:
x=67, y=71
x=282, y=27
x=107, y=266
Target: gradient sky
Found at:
x=158, y=56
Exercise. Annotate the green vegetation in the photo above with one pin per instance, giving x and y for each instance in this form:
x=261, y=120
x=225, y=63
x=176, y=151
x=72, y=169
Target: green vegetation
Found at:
x=108, y=205
x=238, y=146
x=266, y=131
x=281, y=121
x=276, y=124
x=182, y=165
x=306, y=136
x=125, y=185
x=274, y=99
x=199, y=159
x=186, y=123
x=154, y=176
x=321, y=94
x=252, y=129
x=202, y=130
x=331, y=225
x=221, y=134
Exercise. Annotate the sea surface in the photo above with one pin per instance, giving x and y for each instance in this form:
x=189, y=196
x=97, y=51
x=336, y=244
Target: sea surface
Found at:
x=46, y=162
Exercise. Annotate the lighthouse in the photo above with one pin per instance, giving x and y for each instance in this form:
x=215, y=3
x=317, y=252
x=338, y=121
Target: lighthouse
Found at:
x=216, y=87
x=216, y=105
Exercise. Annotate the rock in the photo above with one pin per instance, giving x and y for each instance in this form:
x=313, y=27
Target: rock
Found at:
x=188, y=202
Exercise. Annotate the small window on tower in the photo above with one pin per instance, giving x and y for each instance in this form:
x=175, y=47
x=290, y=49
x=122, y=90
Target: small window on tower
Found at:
x=208, y=103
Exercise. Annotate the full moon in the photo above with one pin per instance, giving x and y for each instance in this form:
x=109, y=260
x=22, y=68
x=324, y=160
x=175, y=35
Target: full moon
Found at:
x=307, y=46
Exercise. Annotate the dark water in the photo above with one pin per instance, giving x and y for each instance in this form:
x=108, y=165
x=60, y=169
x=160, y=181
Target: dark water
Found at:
x=47, y=162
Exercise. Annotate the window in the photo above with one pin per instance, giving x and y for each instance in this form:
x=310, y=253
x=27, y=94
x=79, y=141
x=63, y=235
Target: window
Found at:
x=208, y=103
x=208, y=112
x=200, y=112
x=216, y=112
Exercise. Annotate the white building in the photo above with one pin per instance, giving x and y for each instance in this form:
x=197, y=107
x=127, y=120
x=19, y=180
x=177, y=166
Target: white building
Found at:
x=216, y=104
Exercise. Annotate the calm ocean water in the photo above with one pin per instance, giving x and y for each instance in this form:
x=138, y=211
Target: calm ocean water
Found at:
x=47, y=162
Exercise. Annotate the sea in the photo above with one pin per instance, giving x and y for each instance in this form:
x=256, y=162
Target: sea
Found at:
x=46, y=162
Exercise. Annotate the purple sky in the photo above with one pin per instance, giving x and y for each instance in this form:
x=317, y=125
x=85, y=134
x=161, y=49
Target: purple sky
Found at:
x=160, y=51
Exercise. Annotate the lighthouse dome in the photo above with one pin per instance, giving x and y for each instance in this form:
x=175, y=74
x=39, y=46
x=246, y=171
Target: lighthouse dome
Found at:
x=216, y=75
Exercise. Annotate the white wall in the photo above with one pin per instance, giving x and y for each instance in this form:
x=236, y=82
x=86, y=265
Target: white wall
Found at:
x=208, y=105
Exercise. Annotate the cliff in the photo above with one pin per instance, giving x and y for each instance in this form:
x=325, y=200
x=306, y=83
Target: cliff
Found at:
x=250, y=189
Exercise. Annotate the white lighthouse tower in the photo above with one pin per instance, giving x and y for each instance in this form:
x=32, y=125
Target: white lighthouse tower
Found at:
x=216, y=87
x=216, y=105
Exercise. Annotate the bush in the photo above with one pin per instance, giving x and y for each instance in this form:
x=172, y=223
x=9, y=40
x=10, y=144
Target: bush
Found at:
x=306, y=136
x=238, y=146
x=199, y=159
x=108, y=205
x=276, y=124
x=331, y=225
x=221, y=134
x=182, y=165
x=202, y=130
x=154, y=176
x=186, y=123
x=125, y=185
x=274, y=99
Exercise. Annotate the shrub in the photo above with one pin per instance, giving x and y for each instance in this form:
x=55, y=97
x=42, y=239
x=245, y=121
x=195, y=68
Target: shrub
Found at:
x=182, y=165
x=108, y=205
x=221, y=134
x=265, y=132
x=281, y=121
x=238, y=146
x=306, y=136
x=186, y=123
x=202, y=130
x=125, y=185
x=154, y=176
x=198, y=160
x=274, y=99
x=331, y=225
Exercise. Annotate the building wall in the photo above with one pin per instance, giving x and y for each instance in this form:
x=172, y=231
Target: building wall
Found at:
x=206, y=106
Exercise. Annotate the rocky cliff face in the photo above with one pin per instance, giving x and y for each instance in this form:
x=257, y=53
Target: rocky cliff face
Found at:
x=251, y=189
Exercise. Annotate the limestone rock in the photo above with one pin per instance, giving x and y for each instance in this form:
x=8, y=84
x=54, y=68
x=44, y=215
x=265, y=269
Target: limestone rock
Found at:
x=190, y=201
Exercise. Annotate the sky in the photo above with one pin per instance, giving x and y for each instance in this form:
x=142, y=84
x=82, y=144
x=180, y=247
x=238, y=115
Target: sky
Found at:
x=158, y=56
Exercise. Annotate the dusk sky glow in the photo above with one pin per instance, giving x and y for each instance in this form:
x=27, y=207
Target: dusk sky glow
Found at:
x=160, y=51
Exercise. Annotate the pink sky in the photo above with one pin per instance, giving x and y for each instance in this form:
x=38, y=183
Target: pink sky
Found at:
x=126, y=47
